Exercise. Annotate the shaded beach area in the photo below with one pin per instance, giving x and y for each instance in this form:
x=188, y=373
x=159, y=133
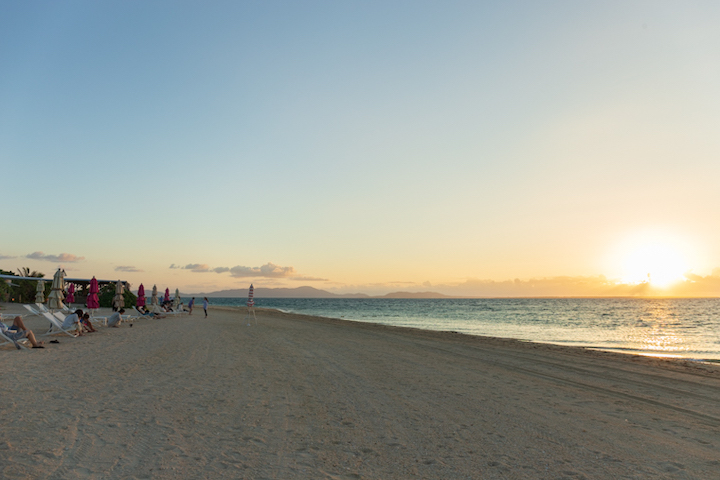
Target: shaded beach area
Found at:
x=299, y=397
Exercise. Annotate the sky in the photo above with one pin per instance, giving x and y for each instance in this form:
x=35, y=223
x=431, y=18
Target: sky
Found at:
x=469, y=148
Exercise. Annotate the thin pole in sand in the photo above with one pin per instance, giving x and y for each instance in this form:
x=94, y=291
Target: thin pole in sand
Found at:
x=247, y=319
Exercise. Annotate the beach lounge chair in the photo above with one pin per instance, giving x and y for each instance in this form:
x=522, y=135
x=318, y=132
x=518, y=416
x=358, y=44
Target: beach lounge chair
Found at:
x=149, y=314
x=41, y=308
x=5, y=340
x=56, y=326
x=33, y=311
x=61, y=316
x=19, y=344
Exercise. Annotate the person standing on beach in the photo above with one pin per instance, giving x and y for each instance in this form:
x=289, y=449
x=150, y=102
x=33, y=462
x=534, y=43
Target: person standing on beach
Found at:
x=205, y=303
x=191, y=305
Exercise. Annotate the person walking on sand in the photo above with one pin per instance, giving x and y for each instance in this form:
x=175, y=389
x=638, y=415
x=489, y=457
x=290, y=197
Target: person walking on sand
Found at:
x=191, y=305
x=18, y=331
x=205, y=303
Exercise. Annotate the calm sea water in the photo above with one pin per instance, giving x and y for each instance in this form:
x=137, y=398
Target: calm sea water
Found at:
x=687, y=328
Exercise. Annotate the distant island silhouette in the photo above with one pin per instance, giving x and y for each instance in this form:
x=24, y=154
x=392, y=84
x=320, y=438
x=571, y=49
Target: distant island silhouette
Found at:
x=308, y=292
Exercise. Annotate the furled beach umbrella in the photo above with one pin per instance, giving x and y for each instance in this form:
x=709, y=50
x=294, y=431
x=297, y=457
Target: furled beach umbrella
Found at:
x=40, y=292
x=167, y=295
x=251, y=294
x=154, y=299
x=70, y=297
x=176, y=301
x=141, y=296
x=251, y=305
x=57, y=295
x=92, y=300
x=118, y=300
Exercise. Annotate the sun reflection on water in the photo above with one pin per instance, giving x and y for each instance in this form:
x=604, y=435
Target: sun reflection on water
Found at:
x=657, y=330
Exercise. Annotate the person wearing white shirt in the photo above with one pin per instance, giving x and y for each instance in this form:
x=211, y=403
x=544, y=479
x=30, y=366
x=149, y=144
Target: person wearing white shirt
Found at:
x=115, y=319
x=73, y=320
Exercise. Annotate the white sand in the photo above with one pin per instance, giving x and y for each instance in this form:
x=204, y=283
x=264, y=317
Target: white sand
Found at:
x=300, y=397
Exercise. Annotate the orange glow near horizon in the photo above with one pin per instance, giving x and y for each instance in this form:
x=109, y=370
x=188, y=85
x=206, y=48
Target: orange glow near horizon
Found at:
x=658, y=263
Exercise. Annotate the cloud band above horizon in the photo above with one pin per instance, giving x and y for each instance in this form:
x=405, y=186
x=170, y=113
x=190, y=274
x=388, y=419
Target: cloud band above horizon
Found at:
x=269, y=270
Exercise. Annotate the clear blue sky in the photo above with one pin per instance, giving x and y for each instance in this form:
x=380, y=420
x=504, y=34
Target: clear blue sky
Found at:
x=357, y=146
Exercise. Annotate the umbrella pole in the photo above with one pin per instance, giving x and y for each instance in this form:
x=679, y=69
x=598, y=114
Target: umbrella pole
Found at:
x=251, y=310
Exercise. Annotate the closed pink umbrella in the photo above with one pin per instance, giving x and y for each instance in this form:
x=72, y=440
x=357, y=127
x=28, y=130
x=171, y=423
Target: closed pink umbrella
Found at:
x=167, y=295
x=92, y=299
x=141, y=296
x=70, y=297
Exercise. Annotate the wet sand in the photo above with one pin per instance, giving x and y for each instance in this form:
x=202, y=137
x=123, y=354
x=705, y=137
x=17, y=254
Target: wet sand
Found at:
x=299, y=397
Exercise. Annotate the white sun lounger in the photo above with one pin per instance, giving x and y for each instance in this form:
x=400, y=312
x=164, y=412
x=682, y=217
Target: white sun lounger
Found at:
x=142, y=315
x=19, y=344
x=5, y=340
x=41, y=308
x=61, y=316
x=33, y=311
x=56, y=326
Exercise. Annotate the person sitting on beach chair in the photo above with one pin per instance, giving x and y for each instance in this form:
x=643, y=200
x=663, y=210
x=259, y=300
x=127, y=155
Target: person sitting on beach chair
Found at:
x=74, y=319
x=115, y=319
x=146, y=313
x=18, y=331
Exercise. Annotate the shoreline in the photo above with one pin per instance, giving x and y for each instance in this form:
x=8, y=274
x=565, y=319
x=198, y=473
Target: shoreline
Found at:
x=669, y=328
x=576, y=349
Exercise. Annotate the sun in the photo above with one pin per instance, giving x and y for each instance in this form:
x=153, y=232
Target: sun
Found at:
x=658, y=263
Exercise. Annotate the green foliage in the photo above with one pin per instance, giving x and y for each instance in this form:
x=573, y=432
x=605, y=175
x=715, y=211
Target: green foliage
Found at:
x=107, y=293
x=130, y=298
x=26, y=289
x=5, y=290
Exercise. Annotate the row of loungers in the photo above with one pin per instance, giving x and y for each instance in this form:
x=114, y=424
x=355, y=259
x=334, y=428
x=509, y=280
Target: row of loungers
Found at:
x=57, y=318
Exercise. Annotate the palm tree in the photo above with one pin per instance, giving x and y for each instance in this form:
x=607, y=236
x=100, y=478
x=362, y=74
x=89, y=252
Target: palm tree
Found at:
x=25, y=272
x=26, y=288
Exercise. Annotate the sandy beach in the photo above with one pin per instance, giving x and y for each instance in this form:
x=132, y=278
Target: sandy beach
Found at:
x=299, y=397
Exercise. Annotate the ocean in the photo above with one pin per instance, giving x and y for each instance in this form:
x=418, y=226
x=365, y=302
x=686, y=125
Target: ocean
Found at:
x=688, y=328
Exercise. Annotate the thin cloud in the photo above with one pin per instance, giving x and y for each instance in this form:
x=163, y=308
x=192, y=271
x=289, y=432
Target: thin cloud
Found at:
x=269, y=270
x=301, y=278
x=63, y=257
x=5, y=257
x=127, y=269
x=195, y=267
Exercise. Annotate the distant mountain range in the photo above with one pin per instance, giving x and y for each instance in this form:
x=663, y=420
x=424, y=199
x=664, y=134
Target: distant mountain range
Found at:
x=307, y=292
